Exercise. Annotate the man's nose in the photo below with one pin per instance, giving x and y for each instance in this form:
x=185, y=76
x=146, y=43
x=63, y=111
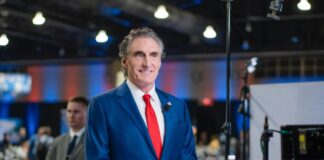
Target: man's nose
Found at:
x=146, y=61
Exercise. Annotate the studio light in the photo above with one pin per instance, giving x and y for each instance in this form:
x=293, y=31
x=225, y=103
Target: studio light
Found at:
x=39, y=19
x=304, y=5
x=4, y=40
x=161, y=12
x=102, y=36
x=251, y=69
x=251, y=64
x=254, y=61
x=210, y=32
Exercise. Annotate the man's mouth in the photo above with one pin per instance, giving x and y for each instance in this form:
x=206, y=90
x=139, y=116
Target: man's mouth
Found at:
x=145, y=71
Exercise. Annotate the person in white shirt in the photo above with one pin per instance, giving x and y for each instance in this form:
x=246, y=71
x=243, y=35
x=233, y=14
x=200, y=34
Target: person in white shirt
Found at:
x=70, y=146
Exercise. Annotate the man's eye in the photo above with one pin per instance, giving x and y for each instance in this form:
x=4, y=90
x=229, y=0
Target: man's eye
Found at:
x=155, y=54
x=139, y=55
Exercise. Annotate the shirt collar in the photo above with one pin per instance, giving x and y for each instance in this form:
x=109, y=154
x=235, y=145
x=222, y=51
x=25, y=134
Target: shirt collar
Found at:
x=136, y=91
x=79, y=133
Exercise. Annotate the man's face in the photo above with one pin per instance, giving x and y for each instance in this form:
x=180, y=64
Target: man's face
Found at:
x=76, y=115
x=143, y=62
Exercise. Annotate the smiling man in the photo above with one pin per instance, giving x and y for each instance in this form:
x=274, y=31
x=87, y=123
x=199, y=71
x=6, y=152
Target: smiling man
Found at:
x=136, y=120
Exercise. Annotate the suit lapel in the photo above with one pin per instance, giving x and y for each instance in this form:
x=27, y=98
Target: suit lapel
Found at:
x=164, y=99
x=128, y=104
x=65, y=144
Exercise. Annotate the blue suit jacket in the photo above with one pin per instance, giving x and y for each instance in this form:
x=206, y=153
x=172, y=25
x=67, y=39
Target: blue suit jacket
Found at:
x=115, y=129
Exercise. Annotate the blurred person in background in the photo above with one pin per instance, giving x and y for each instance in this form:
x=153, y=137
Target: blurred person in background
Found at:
x=70, y=146
x=40, y=143
x=10, y=151
x=22, y=134
x=5, y=144
x=213, y=148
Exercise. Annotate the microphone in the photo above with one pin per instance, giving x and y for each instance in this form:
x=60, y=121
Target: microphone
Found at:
x=266, y=124
x=167, y=106
x=275, y=8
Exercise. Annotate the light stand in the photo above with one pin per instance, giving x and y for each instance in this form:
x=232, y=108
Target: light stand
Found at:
x=244, y=108
x=227, y=125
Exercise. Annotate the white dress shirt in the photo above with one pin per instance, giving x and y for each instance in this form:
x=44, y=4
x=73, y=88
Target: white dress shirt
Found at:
x=155, y=102
x=79, y=134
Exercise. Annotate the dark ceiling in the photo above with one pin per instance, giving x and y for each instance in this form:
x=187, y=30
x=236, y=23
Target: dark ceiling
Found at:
x=71, y=26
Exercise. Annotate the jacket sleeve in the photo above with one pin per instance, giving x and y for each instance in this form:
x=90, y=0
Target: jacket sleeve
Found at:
x=97, y=137
x=189, y=150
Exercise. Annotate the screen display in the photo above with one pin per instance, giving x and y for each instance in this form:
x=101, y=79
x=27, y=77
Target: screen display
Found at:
x=15, y=84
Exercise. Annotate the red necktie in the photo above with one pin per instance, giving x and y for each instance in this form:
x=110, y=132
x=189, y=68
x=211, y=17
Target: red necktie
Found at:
x=152, y=125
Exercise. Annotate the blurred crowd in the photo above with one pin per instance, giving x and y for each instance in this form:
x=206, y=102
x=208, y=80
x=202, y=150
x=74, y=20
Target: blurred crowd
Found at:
x=17, y=146
x=212, y=147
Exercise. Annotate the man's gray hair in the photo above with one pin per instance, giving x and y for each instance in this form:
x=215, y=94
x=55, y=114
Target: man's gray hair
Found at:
x=135, y=33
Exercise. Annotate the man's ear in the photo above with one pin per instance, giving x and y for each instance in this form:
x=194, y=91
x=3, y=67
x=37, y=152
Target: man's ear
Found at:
x=123, y=63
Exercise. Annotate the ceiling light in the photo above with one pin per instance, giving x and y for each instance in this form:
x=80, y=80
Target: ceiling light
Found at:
x=304, y=5
x=248, y=27
x=39, y=19
x=3, y=1
x=294, y=39
x=4, y=40
x=245, y=45
x=161, y=12
x=210, y=32
x=102, y=36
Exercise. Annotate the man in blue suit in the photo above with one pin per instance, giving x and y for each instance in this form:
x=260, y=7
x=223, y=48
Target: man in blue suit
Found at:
x=137, y=121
